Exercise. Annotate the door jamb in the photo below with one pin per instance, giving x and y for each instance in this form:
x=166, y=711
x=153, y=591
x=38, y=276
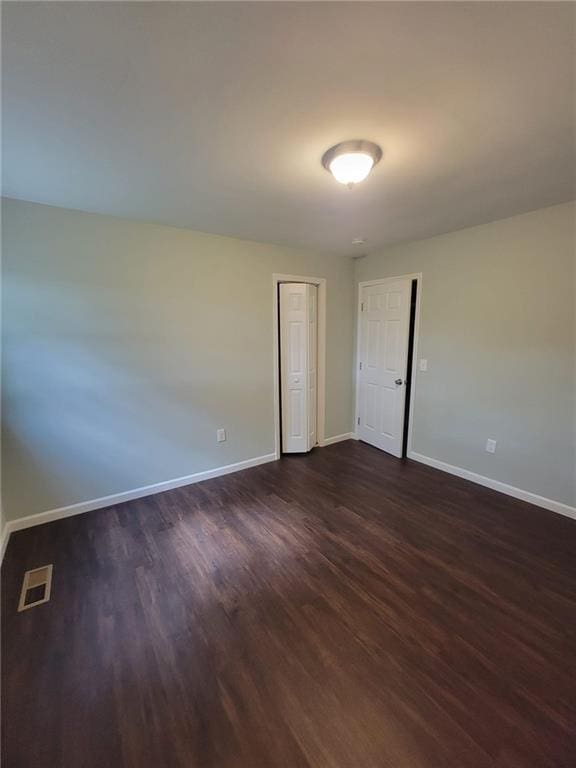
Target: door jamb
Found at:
x=414, y=276
x=320, y=282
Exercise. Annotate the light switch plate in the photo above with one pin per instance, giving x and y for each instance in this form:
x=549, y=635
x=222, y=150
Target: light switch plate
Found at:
x=220, y=435
x=491, y=445
x=423, y=364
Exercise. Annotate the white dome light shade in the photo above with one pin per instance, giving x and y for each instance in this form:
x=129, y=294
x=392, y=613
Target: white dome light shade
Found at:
x=351, y=161
x=351, y=167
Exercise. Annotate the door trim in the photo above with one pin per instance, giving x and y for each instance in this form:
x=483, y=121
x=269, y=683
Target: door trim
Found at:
x=413, y=379
x=320, y=282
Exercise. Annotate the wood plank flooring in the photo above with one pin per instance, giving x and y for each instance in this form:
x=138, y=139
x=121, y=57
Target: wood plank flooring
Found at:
x=340, y=610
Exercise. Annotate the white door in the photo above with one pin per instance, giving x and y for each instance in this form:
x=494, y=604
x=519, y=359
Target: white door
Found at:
x=298, y=374
x=384, y=329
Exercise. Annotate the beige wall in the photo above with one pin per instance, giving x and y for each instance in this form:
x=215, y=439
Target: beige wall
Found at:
x=128, y=344
x=497, y=329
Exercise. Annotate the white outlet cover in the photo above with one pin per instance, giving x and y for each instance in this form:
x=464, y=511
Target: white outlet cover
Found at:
x=491, y=445
x=220, y=435
x=423, y=364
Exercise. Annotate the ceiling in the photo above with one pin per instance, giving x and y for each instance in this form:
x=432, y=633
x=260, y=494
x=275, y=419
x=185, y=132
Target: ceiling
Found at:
x=214, y=116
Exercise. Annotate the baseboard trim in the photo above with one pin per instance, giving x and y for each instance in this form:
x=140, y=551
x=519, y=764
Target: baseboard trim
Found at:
x=496, y=485
x=149, y=490
x=118, y=498
x=336, y=439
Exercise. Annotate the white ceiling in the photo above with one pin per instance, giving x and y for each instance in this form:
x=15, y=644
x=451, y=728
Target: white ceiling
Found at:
x=214, y=116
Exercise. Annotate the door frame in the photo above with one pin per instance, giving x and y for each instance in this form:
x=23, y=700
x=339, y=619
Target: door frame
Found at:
x=413, y=379
x=320, y=282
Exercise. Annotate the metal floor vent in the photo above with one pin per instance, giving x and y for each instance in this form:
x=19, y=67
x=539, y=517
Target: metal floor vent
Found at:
x=36, y=587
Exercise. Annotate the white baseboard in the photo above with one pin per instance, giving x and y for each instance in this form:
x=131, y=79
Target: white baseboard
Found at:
x=149, y=490
x=336, y=439
x=496, y=485
x=118, y=498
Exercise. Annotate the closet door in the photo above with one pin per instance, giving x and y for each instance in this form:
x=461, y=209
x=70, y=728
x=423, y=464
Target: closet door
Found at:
x=298, y=354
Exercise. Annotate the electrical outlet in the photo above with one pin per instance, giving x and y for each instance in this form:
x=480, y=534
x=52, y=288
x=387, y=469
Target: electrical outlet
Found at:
x=220, y=435
x=423, y=364
x=491, y=446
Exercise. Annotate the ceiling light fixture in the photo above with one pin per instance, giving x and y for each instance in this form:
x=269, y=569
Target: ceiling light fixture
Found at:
x=351, y=161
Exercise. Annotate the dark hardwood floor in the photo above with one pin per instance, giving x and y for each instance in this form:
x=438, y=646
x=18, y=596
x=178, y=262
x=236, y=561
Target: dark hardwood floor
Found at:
x=341, y=610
